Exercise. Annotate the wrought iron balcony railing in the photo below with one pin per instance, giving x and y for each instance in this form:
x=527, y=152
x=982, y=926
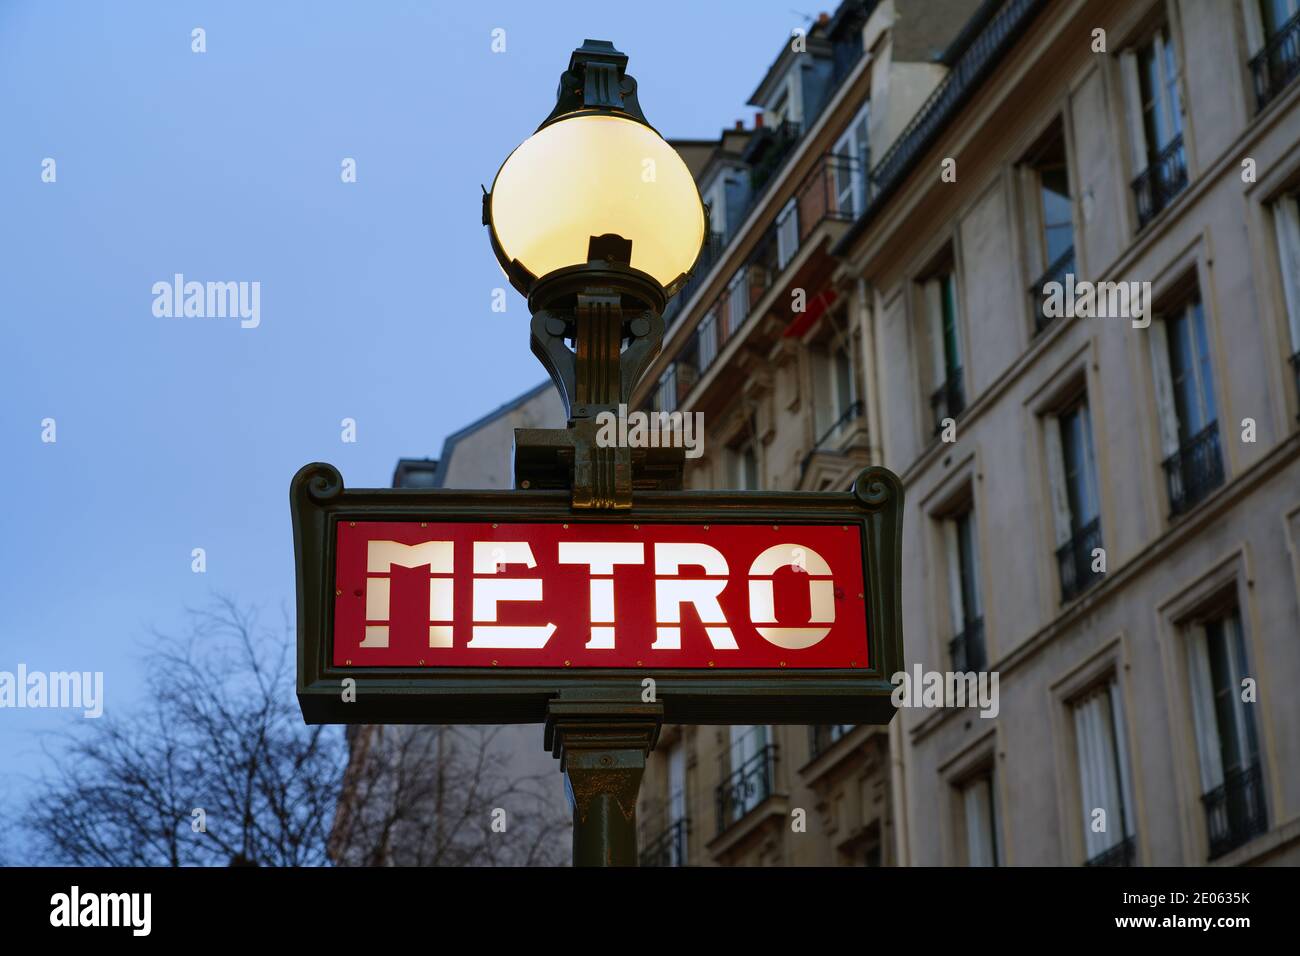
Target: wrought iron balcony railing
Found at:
x=714, y=243
x=967, y=648
x=668, y=847
x=1056, y=272
x=948, y=400
x=746, y=787
x=1234, y=810
x=1193, y=471
x=1275, y=66
x=1295, y=367
x=1161, y=181
x=853, y=411
x=1074, y=559
x=1123, y=853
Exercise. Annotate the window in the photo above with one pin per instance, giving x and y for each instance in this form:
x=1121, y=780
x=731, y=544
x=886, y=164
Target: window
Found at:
x=1189, y=431
x=965, y=610
x=747, y=775
x=948, y=399
x=1286, y=222
x=1048, y=176
x=1104, y=780
x=787, y=233
x=737, y=300
x=1072, y=467
x=834, y=387
x=850, y=166
x=1226, y=742
x=1273, y=36
x=1150, y=74
x=822, y=736
x=667, y=401
x=980, y=815
x=677, y=803
x=708, y=338
x=743, y=466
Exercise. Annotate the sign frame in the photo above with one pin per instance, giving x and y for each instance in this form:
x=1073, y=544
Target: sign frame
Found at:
x=465, y=695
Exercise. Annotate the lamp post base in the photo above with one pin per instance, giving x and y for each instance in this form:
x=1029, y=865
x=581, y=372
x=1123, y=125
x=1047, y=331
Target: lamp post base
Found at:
x=602, y=746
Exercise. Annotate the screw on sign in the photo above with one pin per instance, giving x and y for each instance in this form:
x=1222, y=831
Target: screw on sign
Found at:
x=460, y=594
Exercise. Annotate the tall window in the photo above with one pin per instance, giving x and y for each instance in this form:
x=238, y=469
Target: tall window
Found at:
x=834, y=388
x=1155, y=123
x=1189, y=431
x=748, y=774
x=948, y=398
x=1048, y=173
x=668, y=390
x=966, y=614
x=980, y=814
x=743, y=466
x=787, y=233
x=851, y=165
x=1286, y=223
x=1273, y=36
x=1226, y=741
x=677, y=803
x=708, y=340
x=1072, y=465
x=737, y=300
x=1104, y=780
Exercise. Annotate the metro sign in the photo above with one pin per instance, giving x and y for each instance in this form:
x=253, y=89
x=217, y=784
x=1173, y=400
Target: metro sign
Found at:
x=452, y=606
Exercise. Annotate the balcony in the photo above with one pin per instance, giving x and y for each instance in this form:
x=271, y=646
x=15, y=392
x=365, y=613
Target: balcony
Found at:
x=668, y=846
x=1295, y=368
x=948, y=400
x=832, y=451
x=1121, y=854
x=1278, y=64
x=1161, y=181
x=748, y=786
x=1074, y=559
x=1234, y=810
x=1194, y=471
x=778, y=144
x=714, y=243
x=967, y=649
x=1056, y=272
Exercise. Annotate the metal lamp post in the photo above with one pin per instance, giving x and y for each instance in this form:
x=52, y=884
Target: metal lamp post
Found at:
x=597, y=221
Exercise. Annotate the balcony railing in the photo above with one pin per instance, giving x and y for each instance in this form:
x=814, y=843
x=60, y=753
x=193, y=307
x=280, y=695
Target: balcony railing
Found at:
x=1074, y=559
x=1295, y=368
x=854, y=410
x=783, y=139
x=668, y=847
x=712, y=251
x=1056, y=272
x=1275, y=66
x=1160, y=182
x=967, y=649
x=1123, y=853
x=1194, y=470
x=948, y=400
x=1234, y=810
x=746, y=787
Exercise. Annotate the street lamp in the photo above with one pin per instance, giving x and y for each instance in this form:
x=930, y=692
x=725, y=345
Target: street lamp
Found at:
x=598, y=222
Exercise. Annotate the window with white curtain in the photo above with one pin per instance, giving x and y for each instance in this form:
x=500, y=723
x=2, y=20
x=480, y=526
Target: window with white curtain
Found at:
x=1226, y=740
x=980, y=815
x=850, y=163
x=677, y=800
x=1104, y=777
x=787, y=233
x=749, y=767
x=668, y=390
x=708, y=340
x=1286, y=225
x=737, y=300
x=1152, y=98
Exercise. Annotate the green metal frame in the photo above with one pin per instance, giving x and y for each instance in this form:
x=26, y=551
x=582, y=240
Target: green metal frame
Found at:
x=318, y=501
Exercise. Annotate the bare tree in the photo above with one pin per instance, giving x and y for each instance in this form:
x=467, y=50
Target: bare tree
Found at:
x=218, y=768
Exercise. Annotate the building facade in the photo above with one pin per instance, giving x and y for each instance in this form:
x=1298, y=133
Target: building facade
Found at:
x=772, y=353
x=1060, y=297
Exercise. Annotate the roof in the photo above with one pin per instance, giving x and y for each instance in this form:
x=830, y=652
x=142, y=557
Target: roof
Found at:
x=450, y=442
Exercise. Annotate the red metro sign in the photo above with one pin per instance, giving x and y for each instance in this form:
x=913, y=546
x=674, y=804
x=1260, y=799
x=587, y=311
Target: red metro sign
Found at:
x=428, y=606
x=572, y=594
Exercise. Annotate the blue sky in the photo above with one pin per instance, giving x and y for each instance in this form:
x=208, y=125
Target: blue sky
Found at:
x=179, y=433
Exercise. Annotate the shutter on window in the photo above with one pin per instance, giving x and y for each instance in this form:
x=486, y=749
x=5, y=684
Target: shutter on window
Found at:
x=1128, y=67
x=1207, y=729
x=1165, y=407
x=1056, y=476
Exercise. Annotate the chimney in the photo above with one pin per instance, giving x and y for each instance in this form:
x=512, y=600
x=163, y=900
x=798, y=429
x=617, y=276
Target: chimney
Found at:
x=758, y=120
x=823, y=18
x=740, y=124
